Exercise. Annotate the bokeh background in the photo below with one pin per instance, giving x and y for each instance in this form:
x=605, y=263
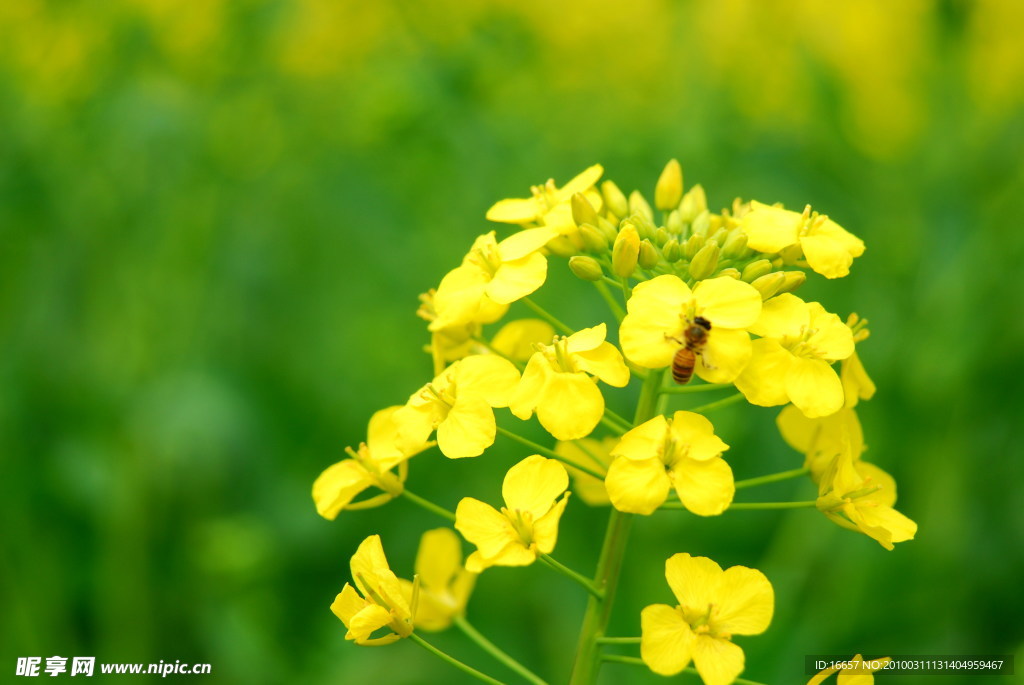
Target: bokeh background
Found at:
x=216, y=217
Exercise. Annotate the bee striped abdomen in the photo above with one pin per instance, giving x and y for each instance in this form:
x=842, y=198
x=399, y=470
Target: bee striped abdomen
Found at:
x=682, y=365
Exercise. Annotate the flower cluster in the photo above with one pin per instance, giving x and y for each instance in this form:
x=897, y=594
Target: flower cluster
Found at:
x=706, y=295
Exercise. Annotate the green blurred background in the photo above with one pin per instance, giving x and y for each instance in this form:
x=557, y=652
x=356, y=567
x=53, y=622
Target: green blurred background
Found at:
x=216, y=217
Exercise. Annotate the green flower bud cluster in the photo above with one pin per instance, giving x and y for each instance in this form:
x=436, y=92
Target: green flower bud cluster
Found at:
x=628, y=238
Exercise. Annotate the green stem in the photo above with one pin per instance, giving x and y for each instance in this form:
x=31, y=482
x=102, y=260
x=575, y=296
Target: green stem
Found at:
x=687, y=389
x=613, y=426
x=473, y=634
x=618, y=640
x=637, y=661
x=619, y=419
x=771, y=478
x=540, y=449
x=616, y=308
x=627, y=292
x=453, y=661
x=428, y=505
x=543, y=313
x=609, y=564
x=710, y=406
x=740, y=506
x=569, y=573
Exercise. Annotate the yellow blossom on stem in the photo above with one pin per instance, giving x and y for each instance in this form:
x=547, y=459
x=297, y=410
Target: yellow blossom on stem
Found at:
x=594, y=455
x=370, y=465
x=857, y=385
x=491, y=276
x=821, y=440
x=528, y=523
x=444, y=584
x=560, y=383
x=713, y=606
x=380, y=601
x=828, y=248
x=458, y=404
x=861, y=497
x=682, y=453
x=858, y=673
x=660, y=310
x=550, y=205
x=792, y=360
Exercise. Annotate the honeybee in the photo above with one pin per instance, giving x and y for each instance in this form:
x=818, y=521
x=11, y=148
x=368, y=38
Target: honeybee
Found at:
x=695, y=337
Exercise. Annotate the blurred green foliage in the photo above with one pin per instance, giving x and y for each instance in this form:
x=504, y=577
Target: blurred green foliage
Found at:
x=216, y=218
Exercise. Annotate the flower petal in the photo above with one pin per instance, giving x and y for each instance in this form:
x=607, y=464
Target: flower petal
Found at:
x=571, y=406
x=697, y=435
x=338, y=485
x=718, y=661
x=704, y=487
x=439, y=558
x=545, y=529
x=515, y=339
x=369, y=619
x=826, y=256
x=488, y=375
x=587, y=339
x=814, y=387
x=468, y=429
x=646, y=441
x=652, y=330
x=832, y=339
x=514, y=211
x=582, y=182
x=725, y=355
x=514, y=553
x=605, y=362
x=666, y=642
x=531, y=386
x=769, y=229
x=347, y=604
x=783, y=315
x=533, y=484
x=695, y=581
x=763, y=381
x=857, y=385
x=727, y=302
x=517, y=279
x=484, y=526
x=522, y=243
x=746, y=604
x=637, y=486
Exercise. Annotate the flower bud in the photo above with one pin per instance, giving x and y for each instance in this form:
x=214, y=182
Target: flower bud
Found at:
x=769, y=284
x=756, y=269
x=586, y=268
x=669, y=190
x=563, y=246
x=660, y=237
x=610, y=230
x=593, y=239
x=638, y=205
x=705, y=261
x=693, y=203
x=701, y=223
x=719, y=234
x=614, y=199
x=644, y=226
x=693, y=243
x=649, y=256
x=730, y=272
x=674, y=223
x=672, y=251
x=735, y=244
x=794, y=279
x=626, y=251
x=582, y=211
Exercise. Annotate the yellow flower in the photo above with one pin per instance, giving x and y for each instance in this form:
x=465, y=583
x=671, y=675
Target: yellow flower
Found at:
x=713, y=606
x=857, y=385
x=681, y=453
x=370, y=465
x=491, y=276
x=827, y=246
x=859, y=673
x=528, y=523
x=860, y=496
x=445, y=585
x=594, y=455
x=458, y=405
x=662, y=308
x=380, y=601
x=560, y=383
x=821, y=440
x=550, y=205
x=517, y=339
x=792, y=361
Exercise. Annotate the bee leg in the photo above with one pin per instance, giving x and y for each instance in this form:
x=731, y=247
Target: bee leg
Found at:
x=673, y=339
x=705, y=363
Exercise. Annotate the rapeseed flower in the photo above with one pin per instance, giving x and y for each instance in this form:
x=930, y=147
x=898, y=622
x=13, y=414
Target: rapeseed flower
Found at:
x=661, y=309
x=380, y=601
x=370, y=465
x=458, y=404
x=828, y=248
x=713, y=606
x=444, y=583
x=526, y=526
x=550, y=205
x=517, y=339
x=792, y=360
x=822, y=439
x=560, y=383
x=682, y=453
